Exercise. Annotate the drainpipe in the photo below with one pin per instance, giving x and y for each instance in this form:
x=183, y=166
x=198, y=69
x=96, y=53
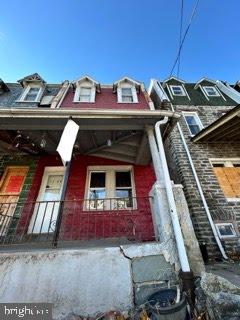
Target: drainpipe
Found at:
x=171, y=202
x=201, y=192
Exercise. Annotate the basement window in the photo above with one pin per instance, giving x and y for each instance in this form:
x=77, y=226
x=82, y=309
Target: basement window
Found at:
x=225, y=230
x=110, y=188
x=227, y=172
x=193, y=122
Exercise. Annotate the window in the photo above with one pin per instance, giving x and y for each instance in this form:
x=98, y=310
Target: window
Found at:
x=225, y=230
x=193, y=122
x=109, y=188
x=211, y=91
x=177, y=91
x=31, y=94
x=227, y=172
x=85, y=94
x=127, y=95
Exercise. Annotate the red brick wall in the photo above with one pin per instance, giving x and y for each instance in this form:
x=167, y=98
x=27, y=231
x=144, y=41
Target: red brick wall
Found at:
x=79, y=224
x=104, y=100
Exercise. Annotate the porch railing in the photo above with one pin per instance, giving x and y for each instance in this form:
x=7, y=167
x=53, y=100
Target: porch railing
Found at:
x=122, y=219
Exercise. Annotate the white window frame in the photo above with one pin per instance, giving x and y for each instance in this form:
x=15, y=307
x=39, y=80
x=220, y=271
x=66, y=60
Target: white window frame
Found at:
x=110, y=186
x=86, y=84
x=227, y=162
x=195, y=115
x=26, y=91
x=225, y=224
x=205, y=88
x=183, y=93
x=127, y=86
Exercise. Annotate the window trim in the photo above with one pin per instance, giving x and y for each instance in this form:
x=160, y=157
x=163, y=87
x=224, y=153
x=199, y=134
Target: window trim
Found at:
x=218, y=224
x=217, y=94
x=110, y=183
x=183, y=92
x=77, y=93
x=228, y=163
x=134, y=93
x=26, y=91
x=195, y=115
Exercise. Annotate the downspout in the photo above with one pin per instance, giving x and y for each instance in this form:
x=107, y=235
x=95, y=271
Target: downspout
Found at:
x=201, y=192
x=171, y=202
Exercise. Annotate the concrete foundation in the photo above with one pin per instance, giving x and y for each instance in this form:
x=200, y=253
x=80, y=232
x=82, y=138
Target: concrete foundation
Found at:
x=87, y=281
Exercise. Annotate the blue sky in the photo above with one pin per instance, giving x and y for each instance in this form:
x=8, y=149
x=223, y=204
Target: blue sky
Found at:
x=108, y=39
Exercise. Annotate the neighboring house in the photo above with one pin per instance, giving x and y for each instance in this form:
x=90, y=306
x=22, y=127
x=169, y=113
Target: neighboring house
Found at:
x=206, y=164
x=116, y=213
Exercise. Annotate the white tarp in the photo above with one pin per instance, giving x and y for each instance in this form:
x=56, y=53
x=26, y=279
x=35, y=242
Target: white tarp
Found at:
x=66, y=143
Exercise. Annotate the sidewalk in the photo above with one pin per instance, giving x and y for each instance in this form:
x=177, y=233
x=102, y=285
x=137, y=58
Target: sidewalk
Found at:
x=227, y=270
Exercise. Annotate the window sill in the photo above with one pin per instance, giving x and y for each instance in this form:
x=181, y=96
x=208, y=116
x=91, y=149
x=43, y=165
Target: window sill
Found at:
x=23, y=101
x=83, y=102
x=229, y=237
x=128, y=102
x=233, y=199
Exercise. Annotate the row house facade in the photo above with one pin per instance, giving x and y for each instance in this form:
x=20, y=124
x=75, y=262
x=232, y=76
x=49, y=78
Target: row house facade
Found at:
x=117, y=213
x=203, y=153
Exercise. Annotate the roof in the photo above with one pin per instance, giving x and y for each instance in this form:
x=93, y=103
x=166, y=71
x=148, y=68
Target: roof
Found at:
x=196, y=95
x=35, y=77
x=8, y=99
x=225, y=129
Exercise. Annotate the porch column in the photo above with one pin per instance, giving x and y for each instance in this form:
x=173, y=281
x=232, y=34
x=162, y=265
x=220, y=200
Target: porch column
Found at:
x=155, y=155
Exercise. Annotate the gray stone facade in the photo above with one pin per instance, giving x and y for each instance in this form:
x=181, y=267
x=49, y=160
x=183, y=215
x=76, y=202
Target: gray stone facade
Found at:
x=180, y=170
x=220, y=208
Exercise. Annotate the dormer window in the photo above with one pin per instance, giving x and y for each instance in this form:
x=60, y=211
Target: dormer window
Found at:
x=178, y=91
x=85, y=90
x=85, y=94
x=211, y=91
x=127, y=95
x=32, y=93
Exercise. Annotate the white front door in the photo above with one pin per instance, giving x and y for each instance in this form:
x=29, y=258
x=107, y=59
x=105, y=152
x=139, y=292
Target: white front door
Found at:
x=47, y=207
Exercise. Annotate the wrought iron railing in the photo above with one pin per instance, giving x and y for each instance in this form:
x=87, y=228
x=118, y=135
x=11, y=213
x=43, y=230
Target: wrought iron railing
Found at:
x=127, y=219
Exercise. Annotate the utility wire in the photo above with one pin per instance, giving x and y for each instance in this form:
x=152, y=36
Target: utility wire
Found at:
x=184, y=37
x=180, y=37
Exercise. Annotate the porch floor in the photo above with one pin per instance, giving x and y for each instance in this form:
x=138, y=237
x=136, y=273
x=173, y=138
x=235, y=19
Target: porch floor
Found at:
x=95, y=243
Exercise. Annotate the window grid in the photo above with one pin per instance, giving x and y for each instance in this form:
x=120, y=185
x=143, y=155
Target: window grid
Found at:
x=211, y=91
x=193, y=123
x=85, y=94
x=127, y=95
x=177, y=91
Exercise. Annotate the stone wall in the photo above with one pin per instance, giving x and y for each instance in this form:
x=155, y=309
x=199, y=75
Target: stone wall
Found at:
x=220, y=208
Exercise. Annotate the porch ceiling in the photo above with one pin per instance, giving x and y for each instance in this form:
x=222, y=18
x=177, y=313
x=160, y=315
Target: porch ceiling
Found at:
x=114, y=135
x=225, y=129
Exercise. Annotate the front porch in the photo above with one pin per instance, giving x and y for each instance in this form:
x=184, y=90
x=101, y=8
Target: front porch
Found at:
x=34, y=223
x=110, y=179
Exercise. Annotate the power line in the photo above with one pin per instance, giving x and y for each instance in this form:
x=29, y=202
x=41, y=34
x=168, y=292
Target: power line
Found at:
x=180, y=37
x=184, y=37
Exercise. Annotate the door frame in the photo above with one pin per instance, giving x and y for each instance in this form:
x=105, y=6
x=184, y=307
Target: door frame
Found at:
x=5, y=173
x=47, y=171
